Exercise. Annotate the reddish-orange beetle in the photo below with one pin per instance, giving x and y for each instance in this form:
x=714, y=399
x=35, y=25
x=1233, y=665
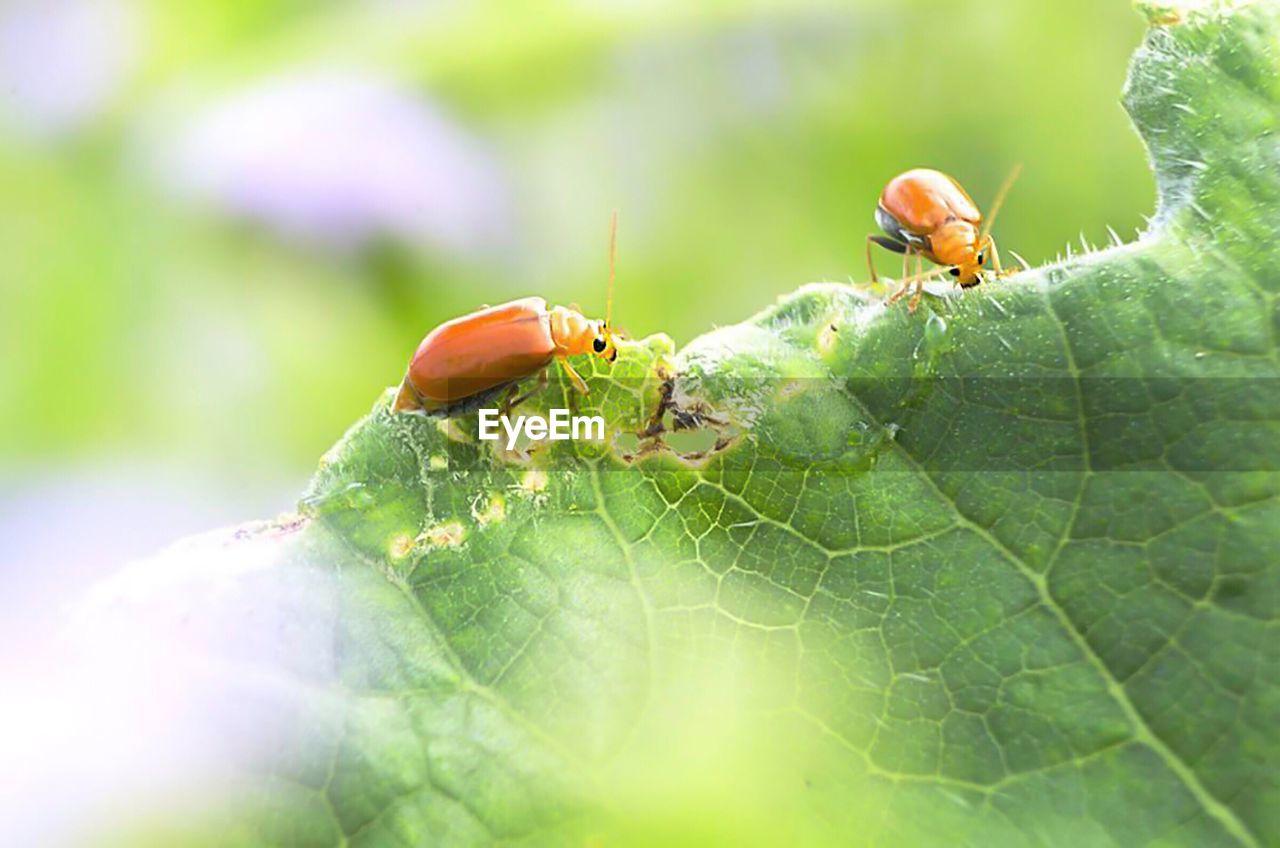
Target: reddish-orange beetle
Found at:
x=925, y=213
x=468, y=358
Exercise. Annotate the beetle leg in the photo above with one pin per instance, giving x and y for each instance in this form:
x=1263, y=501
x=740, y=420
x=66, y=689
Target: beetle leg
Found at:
x=509, y=402
x=578, y=383
x=995, y=260
x=906, y=283
x=887, y=244
x=914, y=303
x=918, y=282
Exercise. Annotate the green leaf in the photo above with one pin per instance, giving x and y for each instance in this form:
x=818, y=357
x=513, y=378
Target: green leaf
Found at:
x=1000, y=572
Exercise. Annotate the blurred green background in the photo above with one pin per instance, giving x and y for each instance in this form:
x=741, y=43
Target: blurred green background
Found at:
x=226, y=225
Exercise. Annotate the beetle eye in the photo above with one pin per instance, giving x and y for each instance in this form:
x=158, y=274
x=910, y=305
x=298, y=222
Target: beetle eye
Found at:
x=955, y=272
x=598, y=345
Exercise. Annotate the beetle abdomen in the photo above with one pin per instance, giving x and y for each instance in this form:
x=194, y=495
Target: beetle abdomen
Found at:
x=923, y=199
x=474, y=353
x=893, y=228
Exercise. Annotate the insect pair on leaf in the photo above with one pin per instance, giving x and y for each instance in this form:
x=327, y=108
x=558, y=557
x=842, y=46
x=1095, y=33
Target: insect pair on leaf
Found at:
x=924, y=214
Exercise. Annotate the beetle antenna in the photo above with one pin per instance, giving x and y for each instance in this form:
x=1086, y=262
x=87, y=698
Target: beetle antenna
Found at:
x=613, y=256
x=999, y=201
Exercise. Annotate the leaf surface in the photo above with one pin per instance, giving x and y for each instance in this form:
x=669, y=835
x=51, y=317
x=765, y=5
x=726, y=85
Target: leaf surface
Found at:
x=1000, y=572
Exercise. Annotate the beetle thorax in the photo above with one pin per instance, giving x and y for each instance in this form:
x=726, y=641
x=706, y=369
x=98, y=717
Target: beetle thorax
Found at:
x=571, y=331
x=955, y=243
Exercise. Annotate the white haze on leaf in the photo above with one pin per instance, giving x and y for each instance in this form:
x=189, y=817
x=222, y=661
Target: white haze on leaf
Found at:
x=167, y=675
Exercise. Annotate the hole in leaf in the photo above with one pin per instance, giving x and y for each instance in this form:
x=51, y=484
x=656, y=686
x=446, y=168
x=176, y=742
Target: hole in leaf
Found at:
x=700, y=440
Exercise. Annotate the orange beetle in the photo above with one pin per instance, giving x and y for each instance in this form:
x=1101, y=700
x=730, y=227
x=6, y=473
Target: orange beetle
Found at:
x=466, y=359
x=925, y=213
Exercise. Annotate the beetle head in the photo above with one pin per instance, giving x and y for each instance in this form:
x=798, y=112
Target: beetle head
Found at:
x=602, y=342
x=956, y=243
x=968, y=271
x=971, y=256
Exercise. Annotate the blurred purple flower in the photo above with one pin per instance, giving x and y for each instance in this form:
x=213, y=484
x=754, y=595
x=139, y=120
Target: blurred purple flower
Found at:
x=61, y=61
x=341, y=159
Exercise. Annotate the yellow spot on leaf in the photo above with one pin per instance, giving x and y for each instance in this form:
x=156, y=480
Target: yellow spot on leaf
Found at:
x=447, y=535
x=828, y=338
x=401, y=546
x=452, y=430
x=488, y=510
x=533, y=482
